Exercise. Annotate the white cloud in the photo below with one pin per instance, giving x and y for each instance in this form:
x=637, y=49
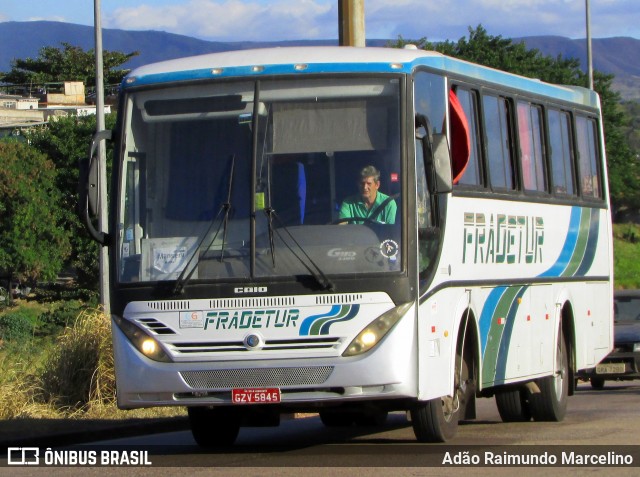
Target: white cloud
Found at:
x=48, y=18
x=231, y=19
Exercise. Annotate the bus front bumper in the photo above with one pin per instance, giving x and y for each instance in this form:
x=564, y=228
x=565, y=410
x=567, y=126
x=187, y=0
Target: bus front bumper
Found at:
x=388, y=371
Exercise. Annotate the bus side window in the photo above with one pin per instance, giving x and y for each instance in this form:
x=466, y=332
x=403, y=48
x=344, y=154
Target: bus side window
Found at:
x=586, y=134
x=497, y=126
x=426, y=229
x=560, y=151
x=460, y=139
x=467, y=113
x=531, y=147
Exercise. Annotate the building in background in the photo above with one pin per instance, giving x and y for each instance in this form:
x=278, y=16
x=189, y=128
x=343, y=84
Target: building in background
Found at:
x=22, y=111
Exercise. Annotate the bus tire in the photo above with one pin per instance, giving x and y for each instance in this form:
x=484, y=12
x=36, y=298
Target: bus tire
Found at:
x=550, y=404
x=214, y=427
x=433, y=422
x=513, y=405
x=436, y=420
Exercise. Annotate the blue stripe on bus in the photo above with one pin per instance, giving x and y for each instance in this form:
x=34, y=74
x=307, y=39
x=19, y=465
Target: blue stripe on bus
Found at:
x=486, y=317
x=592, y=244
x=569, y=245
x=324, y=329
x=306, y=324
x=441, y=63
x=505, y=341
x=248, y=73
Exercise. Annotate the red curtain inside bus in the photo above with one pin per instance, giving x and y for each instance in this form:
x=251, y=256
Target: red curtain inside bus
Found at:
x=460, y=139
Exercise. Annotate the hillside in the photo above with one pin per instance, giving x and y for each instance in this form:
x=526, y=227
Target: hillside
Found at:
x=619, y=56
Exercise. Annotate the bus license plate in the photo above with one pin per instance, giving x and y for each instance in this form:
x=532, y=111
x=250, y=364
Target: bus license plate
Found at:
x=255, y=396
x=610, y=368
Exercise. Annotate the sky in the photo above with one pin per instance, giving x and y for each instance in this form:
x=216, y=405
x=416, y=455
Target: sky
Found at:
x=272, y=20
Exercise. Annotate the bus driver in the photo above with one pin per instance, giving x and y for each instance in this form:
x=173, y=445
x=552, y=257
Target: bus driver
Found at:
x=370, y=203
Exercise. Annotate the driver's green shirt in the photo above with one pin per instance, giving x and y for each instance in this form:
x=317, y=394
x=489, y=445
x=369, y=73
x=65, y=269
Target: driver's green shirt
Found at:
x=354, y=206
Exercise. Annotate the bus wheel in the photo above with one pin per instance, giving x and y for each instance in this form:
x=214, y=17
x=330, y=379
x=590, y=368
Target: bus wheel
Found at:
x=336, y=418
x=436, y=420
x=214, y=427
x=597, y=383
x=513, y=405
x=550, y=404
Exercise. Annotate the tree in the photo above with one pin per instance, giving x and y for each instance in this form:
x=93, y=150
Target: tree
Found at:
x=65, y=141
x=71, y=63
x=623, y=166
x=34, y=241
x=504, y=54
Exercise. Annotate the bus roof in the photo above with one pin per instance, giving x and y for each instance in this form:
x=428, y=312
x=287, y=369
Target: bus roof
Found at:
x=314, y=60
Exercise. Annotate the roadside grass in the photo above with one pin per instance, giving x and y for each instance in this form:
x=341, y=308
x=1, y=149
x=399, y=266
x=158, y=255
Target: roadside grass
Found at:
x=626, y=255
x=64, y=372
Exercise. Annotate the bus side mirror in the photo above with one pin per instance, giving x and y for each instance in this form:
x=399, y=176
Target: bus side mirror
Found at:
x=435, y=149
x=442, y=164
x=88, y=188
x=89, y=183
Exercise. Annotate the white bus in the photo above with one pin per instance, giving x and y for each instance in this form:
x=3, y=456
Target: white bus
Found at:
x=242, y=291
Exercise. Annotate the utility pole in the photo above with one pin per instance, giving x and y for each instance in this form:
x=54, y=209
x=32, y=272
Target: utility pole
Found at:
x=351, y=23
x=102, y=219
x=589, y=50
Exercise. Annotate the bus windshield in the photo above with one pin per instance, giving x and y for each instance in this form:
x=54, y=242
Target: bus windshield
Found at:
x=277, y=179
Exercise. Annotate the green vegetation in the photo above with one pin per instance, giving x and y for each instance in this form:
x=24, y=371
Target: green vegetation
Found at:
x=626, y=247
x=64, y=141
x=48, y=370
x=34, y=242
x=69, y=63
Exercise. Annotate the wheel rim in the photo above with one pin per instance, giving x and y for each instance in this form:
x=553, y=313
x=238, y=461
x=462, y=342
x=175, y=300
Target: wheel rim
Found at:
x=447, y=408
x=560, y=371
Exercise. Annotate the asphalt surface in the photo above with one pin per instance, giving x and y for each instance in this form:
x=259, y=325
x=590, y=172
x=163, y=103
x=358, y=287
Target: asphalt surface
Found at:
x=25, y=432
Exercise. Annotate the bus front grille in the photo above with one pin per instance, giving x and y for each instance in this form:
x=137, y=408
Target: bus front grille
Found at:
x=207, y=347
x=263, y=377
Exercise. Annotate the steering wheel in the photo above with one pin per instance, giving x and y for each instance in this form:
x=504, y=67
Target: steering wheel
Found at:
x=350, y=220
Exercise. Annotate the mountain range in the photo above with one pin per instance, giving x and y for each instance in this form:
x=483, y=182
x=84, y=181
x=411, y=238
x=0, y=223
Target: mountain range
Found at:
x=619, y=56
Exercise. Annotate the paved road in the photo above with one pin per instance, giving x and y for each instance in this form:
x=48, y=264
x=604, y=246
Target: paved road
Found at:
x=610, y=417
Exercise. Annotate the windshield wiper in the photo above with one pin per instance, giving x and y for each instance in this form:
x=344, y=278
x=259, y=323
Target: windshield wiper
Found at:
x=270, y=214
x=312, y=267
x=227, y=207
x=187, y=272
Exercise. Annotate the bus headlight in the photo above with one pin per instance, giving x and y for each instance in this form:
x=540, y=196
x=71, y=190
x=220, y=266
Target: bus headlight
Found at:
x=376, y=330
x=144, y=343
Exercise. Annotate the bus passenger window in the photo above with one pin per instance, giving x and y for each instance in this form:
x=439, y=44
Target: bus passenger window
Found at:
x=496, y=119
x=531, y=150
x=586, y=133
x=467, y=113
x=560, y=151
x=460, y=140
